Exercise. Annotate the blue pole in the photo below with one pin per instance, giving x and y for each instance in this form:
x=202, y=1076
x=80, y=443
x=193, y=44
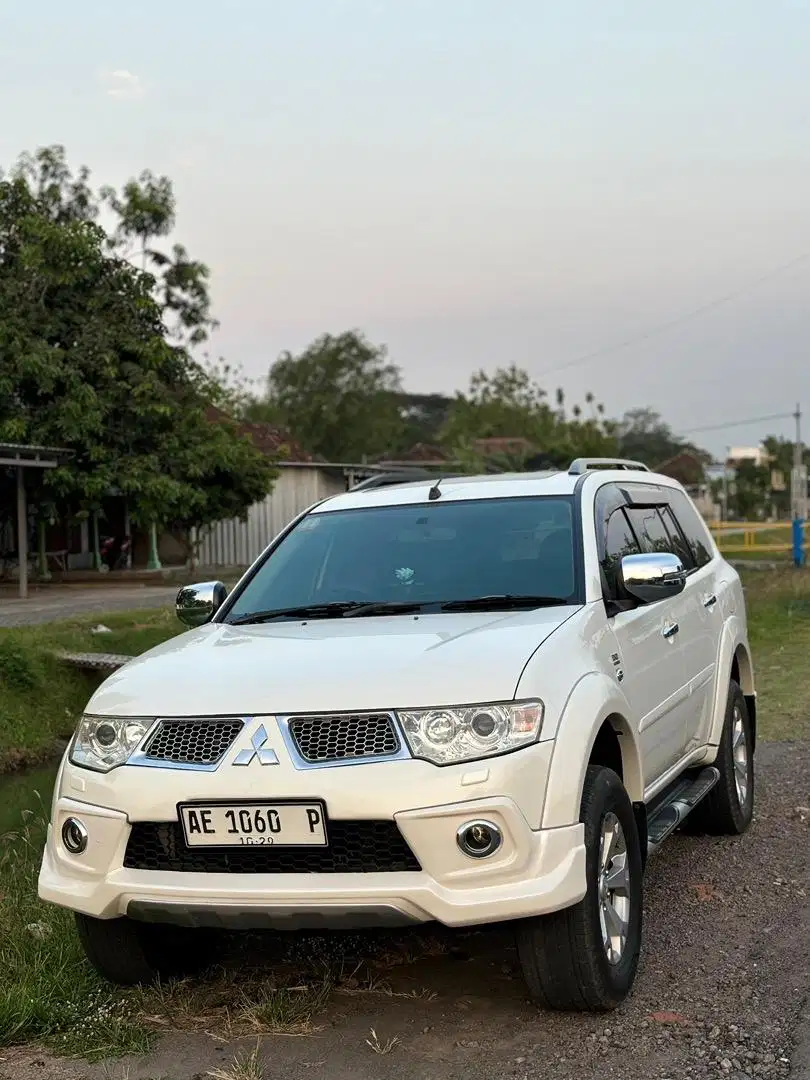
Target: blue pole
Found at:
x=798, y=542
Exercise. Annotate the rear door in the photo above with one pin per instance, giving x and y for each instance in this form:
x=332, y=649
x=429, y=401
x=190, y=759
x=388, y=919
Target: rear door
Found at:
x=703, y=620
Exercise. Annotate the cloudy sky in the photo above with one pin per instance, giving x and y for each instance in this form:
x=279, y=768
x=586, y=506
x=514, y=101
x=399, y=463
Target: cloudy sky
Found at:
x=472, y=182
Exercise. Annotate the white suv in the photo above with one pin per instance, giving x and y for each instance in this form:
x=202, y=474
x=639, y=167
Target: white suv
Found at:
x=472, y=700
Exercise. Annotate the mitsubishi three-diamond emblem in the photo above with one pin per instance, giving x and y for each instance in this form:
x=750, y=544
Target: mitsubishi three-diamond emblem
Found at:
x=260, y=750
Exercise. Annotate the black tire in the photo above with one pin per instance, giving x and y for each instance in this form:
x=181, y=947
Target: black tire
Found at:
x=563, y=955
x=130, y=953
x=723, y=812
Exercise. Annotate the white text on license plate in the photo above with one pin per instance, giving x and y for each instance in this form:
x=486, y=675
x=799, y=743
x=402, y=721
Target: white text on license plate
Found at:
x=259, y=824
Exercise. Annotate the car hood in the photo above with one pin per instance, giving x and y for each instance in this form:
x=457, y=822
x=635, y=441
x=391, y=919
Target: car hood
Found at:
x=331, y=665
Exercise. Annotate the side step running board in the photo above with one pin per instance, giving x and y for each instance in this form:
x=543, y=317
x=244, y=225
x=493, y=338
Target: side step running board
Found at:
x=677, y=805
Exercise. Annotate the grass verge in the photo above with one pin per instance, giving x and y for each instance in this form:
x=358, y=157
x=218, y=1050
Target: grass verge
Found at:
x=40, y=697
x=49, y=994
x=778, y=603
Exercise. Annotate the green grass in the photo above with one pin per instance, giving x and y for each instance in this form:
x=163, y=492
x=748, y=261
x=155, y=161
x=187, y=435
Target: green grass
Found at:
x=41, y=697
x=49, y=994
x=778, y=605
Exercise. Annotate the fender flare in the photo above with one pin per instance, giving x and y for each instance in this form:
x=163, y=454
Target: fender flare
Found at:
x=595, y=700
x=733, y=645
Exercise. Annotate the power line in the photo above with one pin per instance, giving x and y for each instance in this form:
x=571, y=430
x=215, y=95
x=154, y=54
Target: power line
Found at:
x=677, y=321
x=738, y=423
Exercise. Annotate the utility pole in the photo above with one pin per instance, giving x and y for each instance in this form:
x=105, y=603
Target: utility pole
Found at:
x=725, y=483
x=798, y=491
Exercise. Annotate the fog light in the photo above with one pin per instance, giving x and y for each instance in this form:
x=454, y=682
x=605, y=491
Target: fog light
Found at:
x=478, y=839
x=74, y=836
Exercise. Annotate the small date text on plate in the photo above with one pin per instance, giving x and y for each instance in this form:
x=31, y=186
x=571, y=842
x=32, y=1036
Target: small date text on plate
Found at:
x=254, y=824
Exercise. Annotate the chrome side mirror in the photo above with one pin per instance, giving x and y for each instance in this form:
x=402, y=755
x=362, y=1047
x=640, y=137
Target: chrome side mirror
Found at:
x=653, y=577
x=198, y=604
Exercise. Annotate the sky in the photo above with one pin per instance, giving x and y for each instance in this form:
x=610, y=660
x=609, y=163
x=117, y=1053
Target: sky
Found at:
x=473, y=183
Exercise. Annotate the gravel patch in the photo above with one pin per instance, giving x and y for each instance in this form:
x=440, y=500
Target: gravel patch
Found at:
x=720, y=994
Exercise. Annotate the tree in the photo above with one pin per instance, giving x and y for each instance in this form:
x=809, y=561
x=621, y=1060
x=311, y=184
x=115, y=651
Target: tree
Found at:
x=509, y=404
x=85, y=364
x=339, y=398
x=423, y=415
x=145, y=212
x=222, y=472
x=750, y=491
x=644, y=436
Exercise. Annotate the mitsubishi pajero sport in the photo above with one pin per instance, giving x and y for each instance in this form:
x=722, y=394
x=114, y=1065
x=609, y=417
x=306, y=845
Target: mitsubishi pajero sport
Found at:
x=469, y=700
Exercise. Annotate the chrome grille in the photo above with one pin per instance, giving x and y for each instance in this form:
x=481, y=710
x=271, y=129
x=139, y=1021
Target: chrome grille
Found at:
x=192, y=742
x=338, y=738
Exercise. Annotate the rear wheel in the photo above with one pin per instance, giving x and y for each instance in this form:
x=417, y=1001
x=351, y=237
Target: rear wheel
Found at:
x=128, y=953
x=585, y=957
x=728, y=808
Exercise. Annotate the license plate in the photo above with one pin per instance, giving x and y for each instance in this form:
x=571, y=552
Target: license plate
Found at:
x=254, y=824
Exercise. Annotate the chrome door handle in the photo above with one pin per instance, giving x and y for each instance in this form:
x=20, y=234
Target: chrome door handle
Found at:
x=671, y=630
x=710, y=601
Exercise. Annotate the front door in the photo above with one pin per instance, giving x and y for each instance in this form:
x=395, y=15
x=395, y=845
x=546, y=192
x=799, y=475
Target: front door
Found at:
x=655, y=681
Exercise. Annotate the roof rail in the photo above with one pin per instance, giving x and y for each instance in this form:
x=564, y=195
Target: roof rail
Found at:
x=402, y=477
x=586, y=464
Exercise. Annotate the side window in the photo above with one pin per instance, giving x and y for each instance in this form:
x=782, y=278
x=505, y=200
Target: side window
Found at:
x=694, y=529
x=619, y=541
x=650, y=530
x=678, y=543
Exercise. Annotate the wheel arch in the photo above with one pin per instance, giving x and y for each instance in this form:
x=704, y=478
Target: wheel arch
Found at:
x=608, y=740
x=742, y=672
x=613, y=746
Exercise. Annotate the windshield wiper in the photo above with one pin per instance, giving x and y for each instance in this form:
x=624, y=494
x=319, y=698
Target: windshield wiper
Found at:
x=386, y=607
x=497, y=601
x=304, y=611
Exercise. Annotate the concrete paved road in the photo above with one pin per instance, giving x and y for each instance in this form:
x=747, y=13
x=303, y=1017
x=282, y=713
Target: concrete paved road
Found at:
x=67, y=602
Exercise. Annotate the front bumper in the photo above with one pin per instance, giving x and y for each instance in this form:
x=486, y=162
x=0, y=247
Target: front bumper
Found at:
x=534, y=872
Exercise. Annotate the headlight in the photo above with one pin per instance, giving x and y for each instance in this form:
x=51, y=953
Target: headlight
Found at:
x=468, y=732
x=105, y=742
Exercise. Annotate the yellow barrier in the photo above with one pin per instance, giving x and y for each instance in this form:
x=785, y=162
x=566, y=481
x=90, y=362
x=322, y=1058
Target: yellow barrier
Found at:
x=752, y=537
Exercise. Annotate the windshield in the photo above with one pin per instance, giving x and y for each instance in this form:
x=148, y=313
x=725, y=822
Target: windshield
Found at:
x=418, y=555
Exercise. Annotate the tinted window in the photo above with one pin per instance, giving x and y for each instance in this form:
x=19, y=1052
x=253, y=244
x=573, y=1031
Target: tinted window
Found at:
x=619, y=541
x=678, y=544
x=650, y=530
x=426, y=554
x=693, y=526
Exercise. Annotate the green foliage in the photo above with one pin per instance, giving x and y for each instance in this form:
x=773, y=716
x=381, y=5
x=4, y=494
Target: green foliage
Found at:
x=20, y=668
x=48, y=991
x=423, y=415
x=643, y=436
x=146, y=211
x=339, y=397
x=749, y=491
x=85, y=360
x=509, y=404
x=40, y=696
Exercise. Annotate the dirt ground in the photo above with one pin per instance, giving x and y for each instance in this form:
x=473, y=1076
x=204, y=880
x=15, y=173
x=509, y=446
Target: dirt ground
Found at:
x=721, y=992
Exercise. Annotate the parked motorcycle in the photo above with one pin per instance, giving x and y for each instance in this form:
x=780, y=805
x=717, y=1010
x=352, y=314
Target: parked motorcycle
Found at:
x=114, y=551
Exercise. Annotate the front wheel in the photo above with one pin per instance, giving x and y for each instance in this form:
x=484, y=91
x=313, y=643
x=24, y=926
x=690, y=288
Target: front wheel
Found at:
x=585, y=957
x=129, y=953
